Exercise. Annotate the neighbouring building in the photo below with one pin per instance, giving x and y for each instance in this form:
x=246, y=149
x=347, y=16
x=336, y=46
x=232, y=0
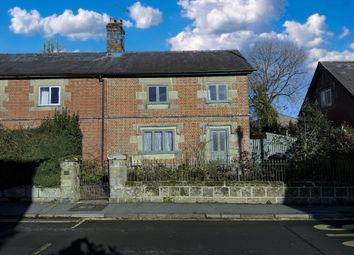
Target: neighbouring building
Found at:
x=147, y=105
x=333, y=88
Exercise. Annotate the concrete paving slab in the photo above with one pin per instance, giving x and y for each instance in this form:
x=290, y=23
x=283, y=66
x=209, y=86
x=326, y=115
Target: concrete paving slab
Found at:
x=170, y=210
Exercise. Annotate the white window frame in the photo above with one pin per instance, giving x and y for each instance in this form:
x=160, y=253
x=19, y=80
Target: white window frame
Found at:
x=323, y=94
x=162, y=141
x=49, y=97
x=217, y=93
x=157, y=94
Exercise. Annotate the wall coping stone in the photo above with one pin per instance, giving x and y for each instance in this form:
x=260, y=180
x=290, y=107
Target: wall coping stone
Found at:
x=117, y=156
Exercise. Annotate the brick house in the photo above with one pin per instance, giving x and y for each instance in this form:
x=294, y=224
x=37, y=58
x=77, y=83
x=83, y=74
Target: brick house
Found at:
x=332, y=87
x=148, y=105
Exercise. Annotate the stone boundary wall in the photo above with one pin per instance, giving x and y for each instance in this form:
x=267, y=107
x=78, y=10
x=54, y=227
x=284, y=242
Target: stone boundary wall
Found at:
x=69, y=189
x=29, y=193
x=242, y=194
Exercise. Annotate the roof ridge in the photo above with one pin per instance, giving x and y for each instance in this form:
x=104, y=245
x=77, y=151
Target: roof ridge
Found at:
x=51, y=54
x=337, y=61
x=182, y=51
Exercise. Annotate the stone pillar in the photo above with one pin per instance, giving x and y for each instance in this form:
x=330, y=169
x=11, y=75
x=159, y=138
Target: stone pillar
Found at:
x=69, y=180
x=118, y=171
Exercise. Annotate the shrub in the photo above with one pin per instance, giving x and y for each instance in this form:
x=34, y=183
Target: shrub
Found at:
x=54, y=139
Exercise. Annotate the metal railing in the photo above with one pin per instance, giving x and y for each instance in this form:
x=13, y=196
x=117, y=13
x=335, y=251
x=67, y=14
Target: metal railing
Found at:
x=217, y=173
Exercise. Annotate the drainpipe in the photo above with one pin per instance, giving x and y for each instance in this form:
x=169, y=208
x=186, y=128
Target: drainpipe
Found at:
x=102, y=82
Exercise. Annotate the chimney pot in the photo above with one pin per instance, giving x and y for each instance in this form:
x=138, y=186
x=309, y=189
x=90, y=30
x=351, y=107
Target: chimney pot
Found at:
x=115, y=36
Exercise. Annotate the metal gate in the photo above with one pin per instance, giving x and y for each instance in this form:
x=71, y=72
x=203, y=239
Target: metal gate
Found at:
x=94, y=180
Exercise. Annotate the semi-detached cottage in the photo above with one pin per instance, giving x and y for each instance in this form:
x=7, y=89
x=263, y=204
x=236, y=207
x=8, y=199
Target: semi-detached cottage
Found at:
x=147, y=105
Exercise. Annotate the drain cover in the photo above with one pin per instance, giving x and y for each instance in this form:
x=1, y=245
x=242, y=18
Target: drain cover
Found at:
x=88, y=207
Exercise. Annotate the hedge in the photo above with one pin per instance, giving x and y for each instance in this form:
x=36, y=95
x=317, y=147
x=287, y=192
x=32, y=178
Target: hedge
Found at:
x=39, y=150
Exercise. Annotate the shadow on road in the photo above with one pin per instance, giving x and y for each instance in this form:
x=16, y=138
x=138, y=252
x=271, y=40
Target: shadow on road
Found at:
x=14, y=174
x=84, y=247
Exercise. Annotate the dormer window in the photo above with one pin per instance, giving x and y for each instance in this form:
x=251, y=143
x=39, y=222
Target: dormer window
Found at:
x=326, y=98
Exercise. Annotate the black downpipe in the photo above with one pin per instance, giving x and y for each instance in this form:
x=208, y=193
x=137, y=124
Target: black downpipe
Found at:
x=102, y=81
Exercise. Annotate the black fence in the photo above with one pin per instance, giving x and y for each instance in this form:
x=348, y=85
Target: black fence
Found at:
x=216, y=173
x=94, y=180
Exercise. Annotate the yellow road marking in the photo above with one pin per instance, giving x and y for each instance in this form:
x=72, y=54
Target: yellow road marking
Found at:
x=348, y=227
x=349, y=243
x=327, y=228
x=340, y=235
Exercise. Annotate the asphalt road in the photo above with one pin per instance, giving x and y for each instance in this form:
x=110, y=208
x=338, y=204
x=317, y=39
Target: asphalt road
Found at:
x=176, y=237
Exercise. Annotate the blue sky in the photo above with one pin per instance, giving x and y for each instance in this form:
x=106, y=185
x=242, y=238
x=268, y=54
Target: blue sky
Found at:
x=324, y=28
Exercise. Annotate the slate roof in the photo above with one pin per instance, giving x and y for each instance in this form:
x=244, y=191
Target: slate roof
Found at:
x=343, y=72
x=130, y=64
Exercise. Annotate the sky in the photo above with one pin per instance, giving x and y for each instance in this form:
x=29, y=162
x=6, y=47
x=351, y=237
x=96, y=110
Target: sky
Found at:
x=324, y=28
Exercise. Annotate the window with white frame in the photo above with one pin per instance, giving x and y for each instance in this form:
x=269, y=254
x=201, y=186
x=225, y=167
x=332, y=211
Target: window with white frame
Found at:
x=49, y=95
x=217, y=93
x=158, y=141
x=326, y=97
x=157, y=94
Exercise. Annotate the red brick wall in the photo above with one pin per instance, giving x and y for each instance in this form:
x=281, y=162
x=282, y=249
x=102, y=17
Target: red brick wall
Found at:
x=190, y=111
x=123, y=113
x=85, y=99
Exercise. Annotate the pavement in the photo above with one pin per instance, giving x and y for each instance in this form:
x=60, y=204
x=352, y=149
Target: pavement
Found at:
x=172, y=211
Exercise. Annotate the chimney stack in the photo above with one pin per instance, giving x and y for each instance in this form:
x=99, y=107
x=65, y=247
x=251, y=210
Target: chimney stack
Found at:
x=115, y=36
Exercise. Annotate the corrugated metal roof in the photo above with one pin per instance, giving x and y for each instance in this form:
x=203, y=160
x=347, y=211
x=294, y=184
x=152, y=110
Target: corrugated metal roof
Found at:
x=134, y=64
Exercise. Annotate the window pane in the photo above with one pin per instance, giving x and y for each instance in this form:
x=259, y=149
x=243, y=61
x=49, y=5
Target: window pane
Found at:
x=215, y=141
x=163, y=94
x=44, y=96
x=152, y=94
x=54, y=97
x=222, y=141
x=147, y=141
x=222, y=92
x=212, y=93
x=157, y=141
x=168, y=141
x=328, y=97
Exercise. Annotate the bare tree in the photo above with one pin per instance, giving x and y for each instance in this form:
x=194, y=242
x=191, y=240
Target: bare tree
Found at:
x=279, y=77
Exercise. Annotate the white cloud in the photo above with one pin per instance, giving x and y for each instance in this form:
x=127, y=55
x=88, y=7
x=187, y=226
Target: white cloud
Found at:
x=81, y=26
x=352, y=46
x=194, y=39
x=144, y=17
x=230, y=24
x=310, y=34
x=317, y=54
x=23, y=22
x=345, y=33
x=127, y=23
x=220, y=24
x=239, y=21
x=229, y=15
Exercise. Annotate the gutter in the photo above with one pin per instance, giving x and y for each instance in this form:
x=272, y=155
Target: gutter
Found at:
x=126, y=75
x=181, y=74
